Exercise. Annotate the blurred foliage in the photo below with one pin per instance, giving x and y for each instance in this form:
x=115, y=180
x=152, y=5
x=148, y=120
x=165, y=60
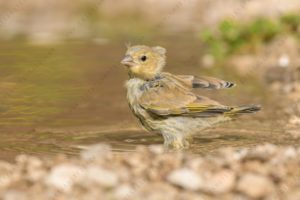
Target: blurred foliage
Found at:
x=291, y=22
x=232, y=36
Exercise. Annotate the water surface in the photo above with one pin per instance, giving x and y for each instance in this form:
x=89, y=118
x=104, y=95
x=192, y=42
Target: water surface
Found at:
x=55, y=99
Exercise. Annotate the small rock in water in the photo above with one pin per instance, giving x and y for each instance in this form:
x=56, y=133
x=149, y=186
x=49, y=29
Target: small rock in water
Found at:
x=255, y=186
x=156, y=149
x=185, y=178
x=262, y=153
x=95, y=151
x=295, y=133
x=294, y=120
x=207, y=61
x=284, y=60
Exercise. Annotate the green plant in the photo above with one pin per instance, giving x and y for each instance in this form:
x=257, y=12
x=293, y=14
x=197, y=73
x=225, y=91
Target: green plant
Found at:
x=291, y=22
x=232, y=36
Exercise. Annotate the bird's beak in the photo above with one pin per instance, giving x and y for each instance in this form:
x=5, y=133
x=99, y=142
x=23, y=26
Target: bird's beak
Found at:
x=127, y=61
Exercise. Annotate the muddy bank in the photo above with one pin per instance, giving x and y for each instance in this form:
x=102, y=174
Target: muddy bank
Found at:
x=263, y=172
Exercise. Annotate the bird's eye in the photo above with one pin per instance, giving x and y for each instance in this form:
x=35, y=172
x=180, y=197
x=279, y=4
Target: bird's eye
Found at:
x=143, y=58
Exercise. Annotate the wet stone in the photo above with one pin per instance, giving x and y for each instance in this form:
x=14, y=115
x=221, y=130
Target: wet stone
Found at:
x=255, y=186
x=185, y=178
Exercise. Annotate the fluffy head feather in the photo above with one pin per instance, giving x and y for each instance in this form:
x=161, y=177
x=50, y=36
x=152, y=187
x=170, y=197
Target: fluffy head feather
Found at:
x=144, y=62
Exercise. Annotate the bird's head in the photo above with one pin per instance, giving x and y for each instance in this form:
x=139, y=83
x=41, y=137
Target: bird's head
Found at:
x=144, y=62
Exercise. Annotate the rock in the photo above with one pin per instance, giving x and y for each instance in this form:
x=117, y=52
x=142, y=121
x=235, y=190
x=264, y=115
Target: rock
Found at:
x=262, y=153
x=277, y=75
x=283, y=156
x=103, y=177
x=156, y=191
x=255, y=186
x=290, y=153
x=284, y=61
x=156, y=149
x=35, y=170
x=192, y=196
x=6, y=174
x=243, y=64
x=256, y=166
x=294, y=120
x=185, y=178
x=14, y=195
x=293, y=195
x=207, y=61
x=124, y=191
x=260, y=172
x=35, y=175
x=295, y=133
x=219, y=182
x=95, y=151
x=34, y=162
x=21, y=159
x=197, y=164
x=64, y=176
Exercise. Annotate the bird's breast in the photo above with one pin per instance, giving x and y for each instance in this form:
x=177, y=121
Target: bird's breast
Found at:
x=134, y=93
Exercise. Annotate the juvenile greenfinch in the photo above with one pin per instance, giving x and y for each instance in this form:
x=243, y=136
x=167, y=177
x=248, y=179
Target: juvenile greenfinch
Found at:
x=165, y=103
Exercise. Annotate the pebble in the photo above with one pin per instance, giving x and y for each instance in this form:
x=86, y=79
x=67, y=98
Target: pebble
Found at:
x=284, y=60
x=64, y=176
x=6, y=173
x=207, y=61
x=295, y=133
x=219, y=182
x=103, y=177
x=260, y=172
x=124, y=191
x=156, y=149
x=294, y=120
x=14, y=195
x=95, y=151
x=255, y=186
x=185, y=178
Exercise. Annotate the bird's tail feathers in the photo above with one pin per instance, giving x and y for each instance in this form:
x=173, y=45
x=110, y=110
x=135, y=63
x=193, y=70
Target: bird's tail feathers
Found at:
x=243, y=110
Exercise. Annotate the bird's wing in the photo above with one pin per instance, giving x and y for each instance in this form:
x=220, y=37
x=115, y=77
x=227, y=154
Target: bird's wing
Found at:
x=204, y=82
x=168, y=96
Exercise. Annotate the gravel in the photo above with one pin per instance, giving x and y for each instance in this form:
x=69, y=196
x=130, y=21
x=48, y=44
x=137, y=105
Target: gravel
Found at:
x=262, y=172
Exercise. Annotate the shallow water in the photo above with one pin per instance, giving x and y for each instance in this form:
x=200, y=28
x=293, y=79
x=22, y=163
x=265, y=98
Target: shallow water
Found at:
x=56, y=99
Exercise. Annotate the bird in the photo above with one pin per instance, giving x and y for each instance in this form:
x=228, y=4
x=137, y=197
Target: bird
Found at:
x=166, y=104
